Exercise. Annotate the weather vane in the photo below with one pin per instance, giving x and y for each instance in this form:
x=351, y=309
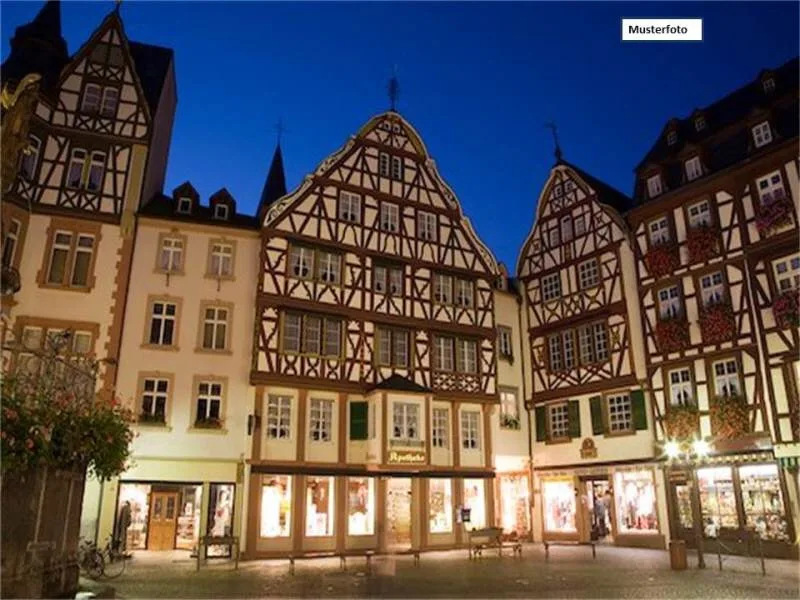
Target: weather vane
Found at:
x=117, y=4
x=280, y=129
x=394, y=89
x=552, y=127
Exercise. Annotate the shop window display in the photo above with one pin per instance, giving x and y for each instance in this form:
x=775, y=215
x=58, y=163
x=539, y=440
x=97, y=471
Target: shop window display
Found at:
x=683, y=495
x=187, y=534
x=276, y=506
x=636, y=502
x=319, y=506
x=138, y=494
x=475, y=501
x=717, y=500
x=220, y=517
x=361, y=506
x=515, y=504
x=763, y=502
x=440, y=504
x=559, y=505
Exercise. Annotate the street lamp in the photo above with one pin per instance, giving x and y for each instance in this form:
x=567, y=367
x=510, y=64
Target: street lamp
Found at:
x=692, y=455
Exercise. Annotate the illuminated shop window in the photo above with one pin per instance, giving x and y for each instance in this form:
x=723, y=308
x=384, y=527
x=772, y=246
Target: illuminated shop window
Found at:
x=515, y=504
x=138, y=495
x=220, y=517
x=276, y=506
x=636, y=501
x=763, y=502
x=319, y=506
x=717, y=500
x=440, y=503
x=361, y=506
x=475, y=501
x=559, y=505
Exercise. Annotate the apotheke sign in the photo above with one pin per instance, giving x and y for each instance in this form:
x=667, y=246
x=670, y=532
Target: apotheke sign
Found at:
x=407, y=458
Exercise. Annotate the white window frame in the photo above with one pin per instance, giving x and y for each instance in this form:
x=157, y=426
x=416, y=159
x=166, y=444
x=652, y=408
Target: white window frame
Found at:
x=221, y=211
x=712, y=288
x=551, y=287
x=221, y=259
x=426, y=222
x=83, y=247
x=77, y=161
x=770, y=187
x=301, y=262
x=589, y=273
x=444, y=347
x=554, y=238
x=566, y=228
x=470, y=430
x=699, y=123
x=60, y=246
x=555, y=355
x=155, y=394
x=397, y=168
x=91, y=106
x=467, y=356
x=392, y=347
x=279, y=417
x=390, y=217
x=509, y=408
x=440, y=427
x=11, y=242
x=669, y=302
x=504, y=344
x=768, y=85
x=442, y=288
x=699, y=214
x=658, y=231
x=693, y=168
x=620, y=413
x=292, y=325
x=329, y=267
x=320, y=420
x=349, y=207
x=109, y=102
x=405, y=421
x=184, y=205
x=465, y=293
x=654, y=186
x=163, y=317
x=762, y=134
x=787, y=273
x=558, y=421
x=726, y=377
x=215, y=317
x=171, y=255
x=96, y=171
x=579, y=225
x=211, y=392
x=568, y=347
x=383, y=164
x=681, y=390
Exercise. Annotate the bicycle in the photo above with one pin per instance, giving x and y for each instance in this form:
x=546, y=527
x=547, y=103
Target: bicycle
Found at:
x=109, y=562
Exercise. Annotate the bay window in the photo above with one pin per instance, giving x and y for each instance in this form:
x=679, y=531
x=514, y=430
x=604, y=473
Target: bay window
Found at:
x=405, y=421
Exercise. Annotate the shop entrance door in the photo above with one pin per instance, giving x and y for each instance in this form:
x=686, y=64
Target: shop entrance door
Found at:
x=597, y=506
x=163, y=519
x=398, y=513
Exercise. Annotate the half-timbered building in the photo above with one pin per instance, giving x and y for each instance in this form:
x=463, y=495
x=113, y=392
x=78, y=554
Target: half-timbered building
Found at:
x=375, y=357
x=716, y=247
x=593, y=461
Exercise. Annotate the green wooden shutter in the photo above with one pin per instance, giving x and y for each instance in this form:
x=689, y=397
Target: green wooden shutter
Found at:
x=598, y=426
x=541, y=424
x=358, y=420
x=639, y=410
x=574, y=408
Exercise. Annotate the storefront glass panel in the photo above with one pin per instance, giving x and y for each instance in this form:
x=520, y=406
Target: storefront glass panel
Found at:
x=440, y=504
x=187, y=534
x=475, y=501
x=636, y=501
x=515, y=504
x=763, y=501
x=276, y=506
x=319, y=506
x=138, y=494
x=361, y=506
x=717, y=500
x=220, y=516
x=683, y=495
x=559, y=505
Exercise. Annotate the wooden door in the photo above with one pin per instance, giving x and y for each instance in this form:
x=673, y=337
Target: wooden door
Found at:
x=163, y=519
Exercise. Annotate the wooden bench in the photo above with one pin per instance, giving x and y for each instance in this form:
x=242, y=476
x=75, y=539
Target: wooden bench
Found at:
x=231, y=541
x=490, y=537
x=342, y=556
x=547, y=545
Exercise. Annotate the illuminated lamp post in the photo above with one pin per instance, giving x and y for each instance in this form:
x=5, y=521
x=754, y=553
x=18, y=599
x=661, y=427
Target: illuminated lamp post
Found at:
x=691, y=455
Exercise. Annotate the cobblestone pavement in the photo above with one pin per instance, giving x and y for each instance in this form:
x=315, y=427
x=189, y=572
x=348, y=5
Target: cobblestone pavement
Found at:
x=569, y=573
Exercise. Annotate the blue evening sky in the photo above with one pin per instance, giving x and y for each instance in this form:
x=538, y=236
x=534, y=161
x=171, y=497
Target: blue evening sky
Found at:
x=478, y=81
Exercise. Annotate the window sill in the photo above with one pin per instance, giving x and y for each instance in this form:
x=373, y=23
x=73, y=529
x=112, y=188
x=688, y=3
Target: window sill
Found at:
x=170, y=273
x=321, y=442
x=65, y=288
x=161, y=347
x=220, y=277
x=625, y=433
x=558, y=441
x=224, y=352
x=154, y=426
x=510, y=427
x=211, y=430
x=467, y=450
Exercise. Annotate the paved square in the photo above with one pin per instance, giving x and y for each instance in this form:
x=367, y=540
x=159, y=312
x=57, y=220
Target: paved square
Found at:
x=570, y=573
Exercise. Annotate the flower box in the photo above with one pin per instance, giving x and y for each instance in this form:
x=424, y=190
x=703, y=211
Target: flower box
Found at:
x=786, y=309
x=730, y=418
x=774, y=212
x=211, y=423
x=152, y=419
x=682, y=422
x=509, y=422
x=703, y=243
x=672, y=335
x=662, y=259
x=717, y=323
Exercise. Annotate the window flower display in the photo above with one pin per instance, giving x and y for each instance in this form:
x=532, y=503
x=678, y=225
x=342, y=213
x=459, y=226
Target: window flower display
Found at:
x=662, y=259
x=774, y=212
x=786, y=309
x=717, y=323
x=672, y=334
x=703, y=243
x=682, y=422
x=729, y=417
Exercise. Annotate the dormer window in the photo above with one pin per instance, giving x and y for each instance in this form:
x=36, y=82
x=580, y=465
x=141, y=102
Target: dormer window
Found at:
x=762, y=134
x=221, y=212
x=185, y=206
x=654, y=187
x=693, y=168
x=672, y=138
x=769, y=85
x=699, y=123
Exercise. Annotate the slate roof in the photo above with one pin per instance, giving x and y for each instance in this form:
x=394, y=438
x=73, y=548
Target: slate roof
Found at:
x=275, y=184
x=399, y=383
x=152, y=65
x=164, y=207
x=605, y=193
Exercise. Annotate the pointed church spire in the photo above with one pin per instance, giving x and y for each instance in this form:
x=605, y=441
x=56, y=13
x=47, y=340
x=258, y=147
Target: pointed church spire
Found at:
x=275, y=185
x=46, y=25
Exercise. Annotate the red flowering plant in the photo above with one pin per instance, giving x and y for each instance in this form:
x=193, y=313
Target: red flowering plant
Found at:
x=786, y=309
x=729, y=417
x=703, y=243
x=51, y=416
x=774, y=211
x=682, y=422
x=662, y=259
x=672, y=334
x=717, y=323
